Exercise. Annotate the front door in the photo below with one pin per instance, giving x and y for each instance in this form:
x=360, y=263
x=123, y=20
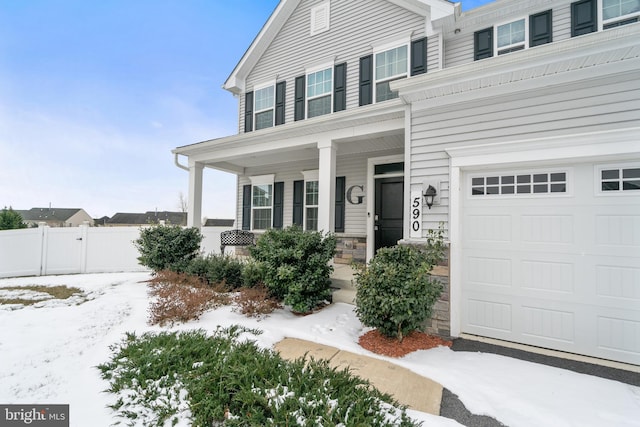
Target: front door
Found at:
x=389, y=209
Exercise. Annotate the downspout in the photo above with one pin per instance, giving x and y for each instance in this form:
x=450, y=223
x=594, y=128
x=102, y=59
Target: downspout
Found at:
x=175, y=160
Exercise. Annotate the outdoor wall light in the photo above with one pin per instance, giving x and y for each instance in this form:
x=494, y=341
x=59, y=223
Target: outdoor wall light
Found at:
x=429, y=194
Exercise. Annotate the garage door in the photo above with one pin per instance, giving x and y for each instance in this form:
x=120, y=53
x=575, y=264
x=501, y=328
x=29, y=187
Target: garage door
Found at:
x=552, y=257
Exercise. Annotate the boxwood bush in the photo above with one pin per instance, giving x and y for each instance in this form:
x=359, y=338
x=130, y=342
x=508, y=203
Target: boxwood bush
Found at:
x=168, y=247
x=214, y=269
x=395, y=292
x=296, y=268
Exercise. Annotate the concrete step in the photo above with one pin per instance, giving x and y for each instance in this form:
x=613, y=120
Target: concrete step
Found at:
x=347, y=296
x=337, y=282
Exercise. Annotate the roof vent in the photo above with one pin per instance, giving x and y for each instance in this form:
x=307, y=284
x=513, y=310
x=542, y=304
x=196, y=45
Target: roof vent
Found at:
x=320, y=17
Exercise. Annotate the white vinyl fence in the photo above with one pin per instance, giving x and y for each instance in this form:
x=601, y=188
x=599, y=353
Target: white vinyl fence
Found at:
x=45, y=250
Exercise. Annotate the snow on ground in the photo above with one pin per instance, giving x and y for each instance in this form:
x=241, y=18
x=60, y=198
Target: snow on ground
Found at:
x=48, y=355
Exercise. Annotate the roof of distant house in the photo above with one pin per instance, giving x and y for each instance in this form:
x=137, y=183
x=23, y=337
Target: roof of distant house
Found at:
x=48, y=214
x=219, y=222
x=150, y=217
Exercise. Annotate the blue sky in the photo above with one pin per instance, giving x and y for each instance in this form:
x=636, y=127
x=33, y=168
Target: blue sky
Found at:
x=95, y=95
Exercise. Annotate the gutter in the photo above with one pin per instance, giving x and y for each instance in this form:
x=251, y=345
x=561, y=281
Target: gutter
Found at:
x=175, y=160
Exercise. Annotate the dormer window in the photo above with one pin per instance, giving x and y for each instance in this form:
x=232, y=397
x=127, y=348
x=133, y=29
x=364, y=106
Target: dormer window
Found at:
x=511, y=36
x=389, y=65
x=319, y=92
x=264, y=107
x=619, y=12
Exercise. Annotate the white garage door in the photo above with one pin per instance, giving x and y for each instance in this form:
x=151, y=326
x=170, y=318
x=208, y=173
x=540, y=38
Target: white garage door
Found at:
x=551, y=257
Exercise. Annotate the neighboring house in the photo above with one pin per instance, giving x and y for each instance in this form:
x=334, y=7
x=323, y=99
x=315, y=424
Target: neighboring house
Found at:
x=219, y=223
x=56, y=217
x=122, y=219
x=522, y=115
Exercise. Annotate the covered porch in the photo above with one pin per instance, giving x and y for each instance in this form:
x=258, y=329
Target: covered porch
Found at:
x=345, y=153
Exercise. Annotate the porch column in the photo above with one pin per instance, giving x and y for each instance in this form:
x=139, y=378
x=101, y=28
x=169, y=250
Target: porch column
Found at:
x=327, y=186
x=194, y=215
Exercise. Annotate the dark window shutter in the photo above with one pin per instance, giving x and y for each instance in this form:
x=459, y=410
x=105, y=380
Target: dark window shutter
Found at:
x=340, y=204
x=540, y=28
x=278, y=204
x=298, y=202
x=340, y=87
x=281, y=92
x=584, y=17
x=246, y=207
x=419, y=56
x=366, y=80
x=299, y=98
x=248, y=111
x=483, y=44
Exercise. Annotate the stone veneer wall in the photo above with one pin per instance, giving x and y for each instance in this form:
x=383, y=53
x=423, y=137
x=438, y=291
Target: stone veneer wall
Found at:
x=350, y=249
x=440, y=321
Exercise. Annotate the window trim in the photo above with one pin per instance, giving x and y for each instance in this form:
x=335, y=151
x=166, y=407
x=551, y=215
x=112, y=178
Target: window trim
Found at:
x=405, y=42
x=309, y=176
x=568, y=182
x=256, y=89
x=598, y=180
x=312, y=70
x=508, y=49
x=602, y=22
x=259, y=180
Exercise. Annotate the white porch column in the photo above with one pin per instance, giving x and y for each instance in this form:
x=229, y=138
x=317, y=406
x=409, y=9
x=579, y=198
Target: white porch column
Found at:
x=194, y=215
x=327, y=186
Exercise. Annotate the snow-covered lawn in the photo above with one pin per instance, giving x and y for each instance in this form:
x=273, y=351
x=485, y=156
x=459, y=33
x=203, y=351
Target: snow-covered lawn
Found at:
x=48, y=354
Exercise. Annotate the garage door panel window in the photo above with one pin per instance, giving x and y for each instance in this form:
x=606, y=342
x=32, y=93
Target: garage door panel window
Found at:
x=519, y=184
x=620, y=179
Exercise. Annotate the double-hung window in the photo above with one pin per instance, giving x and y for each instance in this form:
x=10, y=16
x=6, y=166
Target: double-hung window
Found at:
x=619, y=12
x=261, y=202
x=511, y=36
x=319, y=92
x=311, y=200
x=264, y=106
x=391, y=64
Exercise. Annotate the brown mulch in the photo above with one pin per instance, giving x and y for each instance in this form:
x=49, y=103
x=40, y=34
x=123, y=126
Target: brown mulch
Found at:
x=376, y=342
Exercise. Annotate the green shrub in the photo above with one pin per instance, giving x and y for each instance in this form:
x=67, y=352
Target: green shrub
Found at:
x=226, y=379
x=296, y=268
x=168, y=247
x=214, y=269
x=253, y=274
x=395, y=292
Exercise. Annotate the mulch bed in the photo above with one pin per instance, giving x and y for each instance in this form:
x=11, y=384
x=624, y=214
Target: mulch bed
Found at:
x=376, y=342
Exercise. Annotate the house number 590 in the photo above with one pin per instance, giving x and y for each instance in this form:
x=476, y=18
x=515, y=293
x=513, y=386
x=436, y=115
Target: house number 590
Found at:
x=416, y=214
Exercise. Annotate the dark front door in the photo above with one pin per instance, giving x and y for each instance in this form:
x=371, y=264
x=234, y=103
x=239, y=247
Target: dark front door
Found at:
x=388, y=220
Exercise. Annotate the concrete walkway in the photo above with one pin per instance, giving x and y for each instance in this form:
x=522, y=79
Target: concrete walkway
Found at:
x=408, y=388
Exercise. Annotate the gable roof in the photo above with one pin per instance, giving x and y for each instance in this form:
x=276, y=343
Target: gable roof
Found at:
x=235, y=83
x=48, y=214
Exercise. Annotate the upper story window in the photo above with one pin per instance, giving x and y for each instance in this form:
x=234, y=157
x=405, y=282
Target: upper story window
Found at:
x=619, y=12
x=319, y=92
x=389, y=65
x=511, y=36
x=515, y=35
x=588, y=16
x=264, y=106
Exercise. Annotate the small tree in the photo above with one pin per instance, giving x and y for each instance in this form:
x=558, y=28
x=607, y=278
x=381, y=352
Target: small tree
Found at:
x=168, y=247
x=295, y=264
x=395, y=292
x=10, y=219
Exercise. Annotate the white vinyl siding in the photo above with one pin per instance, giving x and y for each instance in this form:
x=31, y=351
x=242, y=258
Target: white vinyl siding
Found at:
x=287, y=57
x=352, y=167
x=545, y=113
